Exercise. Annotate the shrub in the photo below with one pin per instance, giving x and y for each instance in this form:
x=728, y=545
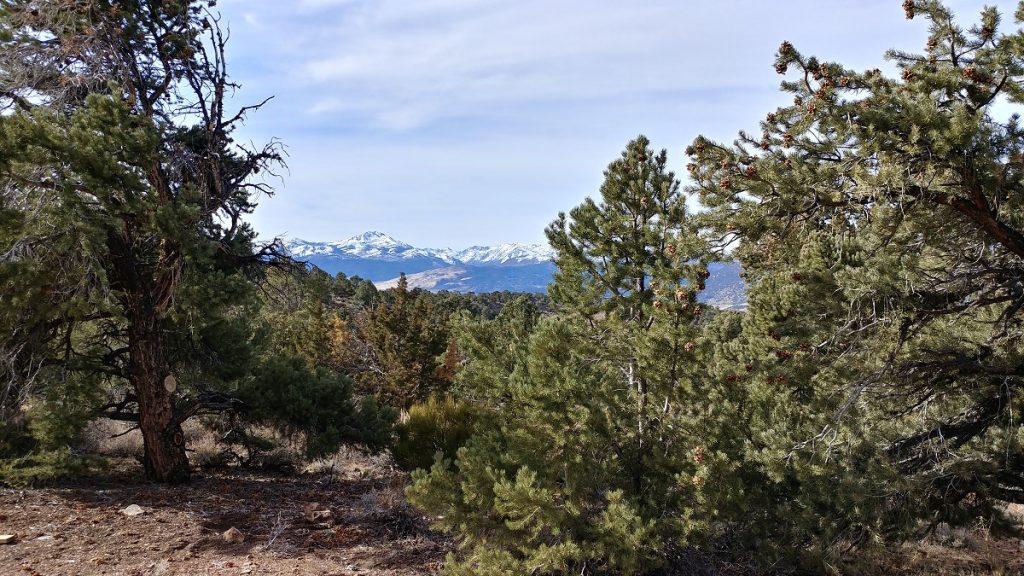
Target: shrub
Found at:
x=40, y=466
x=290, y=397
x=435, y=426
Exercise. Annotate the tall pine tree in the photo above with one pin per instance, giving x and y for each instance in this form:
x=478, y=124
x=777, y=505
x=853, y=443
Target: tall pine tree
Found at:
x=123, y=201
x=585, y=458
x=881, y=226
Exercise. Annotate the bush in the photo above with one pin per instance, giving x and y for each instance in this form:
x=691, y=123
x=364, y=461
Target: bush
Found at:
x=41, y=466
x=437, y=425
x=34, y=450
x=15, y=439
x=292, y=398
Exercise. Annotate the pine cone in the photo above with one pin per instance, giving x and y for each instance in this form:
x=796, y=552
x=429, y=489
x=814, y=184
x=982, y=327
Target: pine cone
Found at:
x=908, y=9
x=975, y=75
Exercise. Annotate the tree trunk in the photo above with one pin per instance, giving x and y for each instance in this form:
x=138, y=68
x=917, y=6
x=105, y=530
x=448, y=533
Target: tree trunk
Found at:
x=164, y=443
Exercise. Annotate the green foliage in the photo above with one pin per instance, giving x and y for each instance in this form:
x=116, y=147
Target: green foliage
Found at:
x=129, y=254
x=406, y=338
x=287, y=394
x=128, y=271
x=41, y=466
x=583, y=463
x=435, y=428
x=880, y=227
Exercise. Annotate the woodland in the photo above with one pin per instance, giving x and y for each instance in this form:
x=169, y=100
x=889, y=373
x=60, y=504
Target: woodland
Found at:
x=865, y=398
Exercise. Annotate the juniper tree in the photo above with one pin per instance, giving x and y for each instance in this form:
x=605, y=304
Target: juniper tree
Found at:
x=892, y=207
x=585, y=457
x=405, y=337
x=124, y=243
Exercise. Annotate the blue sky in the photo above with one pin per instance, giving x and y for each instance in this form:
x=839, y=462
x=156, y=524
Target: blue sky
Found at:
x=450, y=123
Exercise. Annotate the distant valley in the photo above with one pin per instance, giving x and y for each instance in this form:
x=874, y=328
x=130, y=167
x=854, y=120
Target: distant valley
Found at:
x=380, y=258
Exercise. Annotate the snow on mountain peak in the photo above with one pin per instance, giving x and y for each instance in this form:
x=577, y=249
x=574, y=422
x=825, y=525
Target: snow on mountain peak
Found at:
x=377, y=245
x=374, y=238
x=509, y=253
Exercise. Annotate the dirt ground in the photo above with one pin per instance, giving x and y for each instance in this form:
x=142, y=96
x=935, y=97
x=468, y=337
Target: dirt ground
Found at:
x=78, y=531
x=82, y=529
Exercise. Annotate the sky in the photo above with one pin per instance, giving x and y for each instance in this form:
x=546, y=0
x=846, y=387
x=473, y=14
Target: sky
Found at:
x=451, y=123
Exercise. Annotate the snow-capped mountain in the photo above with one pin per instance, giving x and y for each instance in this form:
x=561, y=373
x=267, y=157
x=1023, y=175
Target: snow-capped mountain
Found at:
x=505, y=255
x=376, y=245
x=380, y=258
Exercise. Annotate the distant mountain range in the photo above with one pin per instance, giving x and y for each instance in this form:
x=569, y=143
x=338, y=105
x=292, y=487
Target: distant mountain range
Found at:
x=377, y=257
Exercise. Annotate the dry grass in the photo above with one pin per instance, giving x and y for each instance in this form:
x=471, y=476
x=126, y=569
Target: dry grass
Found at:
x=112, y=438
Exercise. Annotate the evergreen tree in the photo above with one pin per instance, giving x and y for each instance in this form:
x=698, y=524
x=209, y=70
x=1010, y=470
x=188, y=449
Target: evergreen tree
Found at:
x=124, y=246
x=881, y=228
x=585, y=458
x=406, y=337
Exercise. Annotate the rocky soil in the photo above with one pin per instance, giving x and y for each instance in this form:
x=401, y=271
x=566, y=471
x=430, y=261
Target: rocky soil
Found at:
x=337, y=523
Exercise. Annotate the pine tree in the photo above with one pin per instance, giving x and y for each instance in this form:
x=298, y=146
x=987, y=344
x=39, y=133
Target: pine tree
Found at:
x=584, y=457
x=124, y=194
x=881, y=227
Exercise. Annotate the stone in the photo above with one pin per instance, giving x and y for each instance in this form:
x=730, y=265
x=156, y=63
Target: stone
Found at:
x=308, y=510
x=316, y=513
x=160, y=568
x=234, y=536
x=7, y=538
x=133, y=510
x=325, y=516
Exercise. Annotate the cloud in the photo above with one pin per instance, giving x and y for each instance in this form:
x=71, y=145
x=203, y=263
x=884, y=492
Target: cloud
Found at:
x=401, y=66
x=462, y=105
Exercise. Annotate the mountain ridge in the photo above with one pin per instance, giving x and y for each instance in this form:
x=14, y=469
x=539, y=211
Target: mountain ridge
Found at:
x=380, y=246
x=510, y=266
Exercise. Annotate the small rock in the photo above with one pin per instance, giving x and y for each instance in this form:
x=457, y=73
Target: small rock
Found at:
x=317, y=513
x=234, y=536
x=45, y=537
x=7, y=538
x=308, y=510
x=160, y=568
x=133, y=510
x=323, y=516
